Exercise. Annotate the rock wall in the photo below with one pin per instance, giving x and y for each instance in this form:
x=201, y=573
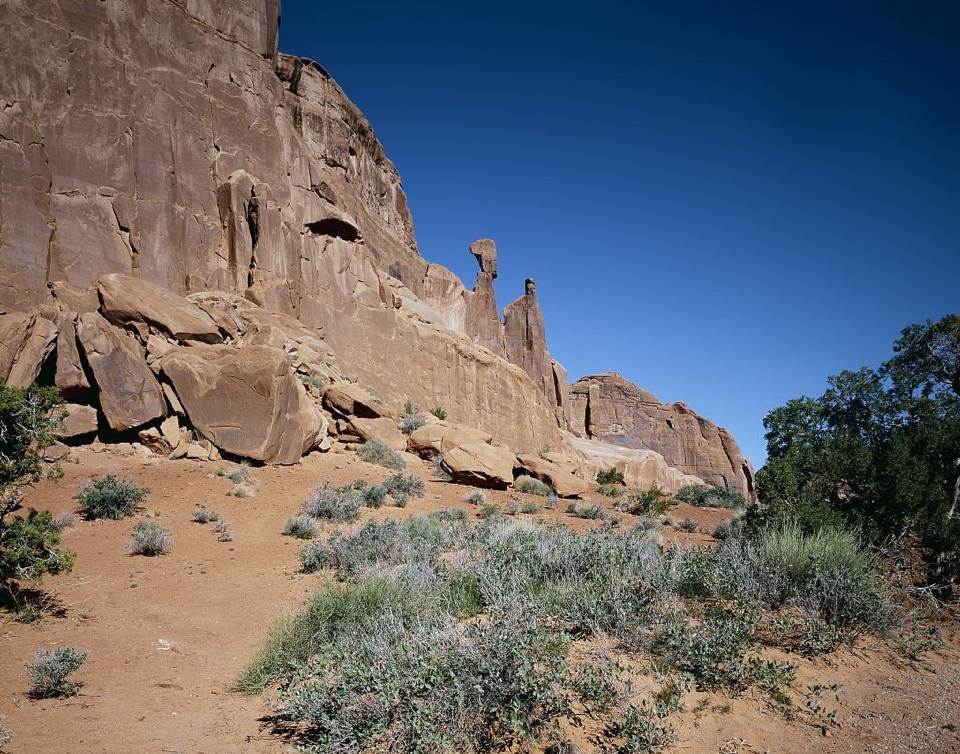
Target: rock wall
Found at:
x=608, y=408
x=170, y=142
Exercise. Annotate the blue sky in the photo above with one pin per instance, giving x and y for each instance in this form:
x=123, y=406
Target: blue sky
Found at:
x=725, y=202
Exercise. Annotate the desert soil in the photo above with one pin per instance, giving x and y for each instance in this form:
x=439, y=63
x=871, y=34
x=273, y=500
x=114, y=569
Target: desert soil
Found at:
x=167, y=635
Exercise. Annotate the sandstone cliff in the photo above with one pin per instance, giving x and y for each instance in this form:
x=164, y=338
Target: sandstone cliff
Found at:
x=609, y=408
x=175, y=194
x=172, y=143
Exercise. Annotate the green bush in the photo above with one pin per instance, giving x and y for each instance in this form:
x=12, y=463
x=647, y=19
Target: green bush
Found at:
x=589, y=511
x=720, y=652
x=404, y=487
x=222, y=528
x=530, y=486
x=203, y=515
x=476, y=498
x=29, y=549
x=336, y=503
x=149, y=539
x=28, y=419
x=240, y=475
x=374, y=451
x=48, y=672
x=439, y=413
x=410, y=424
x=28, y=546
x=711, y=497
x=609, y=476
x=301, y=527
x=648, y=503
x=612, y=490
x=110, y=497
x=827, y=573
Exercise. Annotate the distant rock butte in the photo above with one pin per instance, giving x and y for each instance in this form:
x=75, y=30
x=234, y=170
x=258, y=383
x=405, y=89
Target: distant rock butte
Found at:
x=608, y=408
x=175, y=191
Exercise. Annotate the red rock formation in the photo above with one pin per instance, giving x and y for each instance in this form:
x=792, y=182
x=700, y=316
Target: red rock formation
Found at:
x=169, y=142
x=607, y=407
x=526, y=343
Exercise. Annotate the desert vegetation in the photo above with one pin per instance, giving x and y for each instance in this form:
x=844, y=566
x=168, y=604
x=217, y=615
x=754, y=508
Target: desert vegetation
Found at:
x=434, y=633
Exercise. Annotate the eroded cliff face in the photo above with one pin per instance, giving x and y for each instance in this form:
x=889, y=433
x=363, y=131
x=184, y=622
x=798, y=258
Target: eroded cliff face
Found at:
x=169, y=141
x=608, y=408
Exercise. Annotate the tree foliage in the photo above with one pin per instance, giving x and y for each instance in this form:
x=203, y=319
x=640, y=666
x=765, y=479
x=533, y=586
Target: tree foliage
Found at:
x=28, y=418
x=28, y=546
x=880, y=449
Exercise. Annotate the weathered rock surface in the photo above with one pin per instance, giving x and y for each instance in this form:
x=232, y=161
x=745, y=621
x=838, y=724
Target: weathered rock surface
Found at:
x=526, y=344
x=354, y=401
x=69, y=377
x=609, y=408
x=33, y=352
x=130, y=395
x=480, y=465
x=382, y=429
x=436, y=439
x=564, y=483
x=246, y=401
x=170, y=147
x=641, y=468
x=485, y=250
x=80, y=420
x=140, y=305
x=14, y=329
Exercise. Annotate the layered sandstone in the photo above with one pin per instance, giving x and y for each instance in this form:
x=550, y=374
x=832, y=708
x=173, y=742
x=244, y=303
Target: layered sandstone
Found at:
x=172, y=143
x=608, y=408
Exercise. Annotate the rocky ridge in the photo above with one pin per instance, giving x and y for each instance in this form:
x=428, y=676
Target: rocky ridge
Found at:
x=183, y=207
x=608, y=408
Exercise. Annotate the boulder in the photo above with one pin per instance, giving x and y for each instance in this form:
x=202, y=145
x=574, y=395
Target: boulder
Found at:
x=563, y=482
x=246, y=401
x=382, y=429
x=14, y=329
x=152, y=439
x=127, y=301
x=33, y=352
x=353, y=400
x=480, y=465
x=440, y=437
x=191, y=450
x=80, y=420
x=171, y=432
x=69, y=377
x=130, y=395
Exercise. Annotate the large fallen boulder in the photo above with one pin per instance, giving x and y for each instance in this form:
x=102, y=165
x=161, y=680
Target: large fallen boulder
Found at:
x=440, y=437
x=79, y=421
x=33, y=352
x=130, y=395
x=382, y=429
x=563, y=482
x=480, y=465
x=69, y=377
x=131, y=302
x=246, y=401
x=353, y=400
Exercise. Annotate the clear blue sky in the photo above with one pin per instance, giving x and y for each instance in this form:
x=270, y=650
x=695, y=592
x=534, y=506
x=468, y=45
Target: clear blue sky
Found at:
x=723, y=201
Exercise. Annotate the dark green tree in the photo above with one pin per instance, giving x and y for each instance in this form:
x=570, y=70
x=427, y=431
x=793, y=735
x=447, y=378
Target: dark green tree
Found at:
x=880, y=449
x=29, y=546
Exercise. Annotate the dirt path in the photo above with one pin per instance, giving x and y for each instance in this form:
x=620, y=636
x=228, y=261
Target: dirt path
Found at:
x=168, y=635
